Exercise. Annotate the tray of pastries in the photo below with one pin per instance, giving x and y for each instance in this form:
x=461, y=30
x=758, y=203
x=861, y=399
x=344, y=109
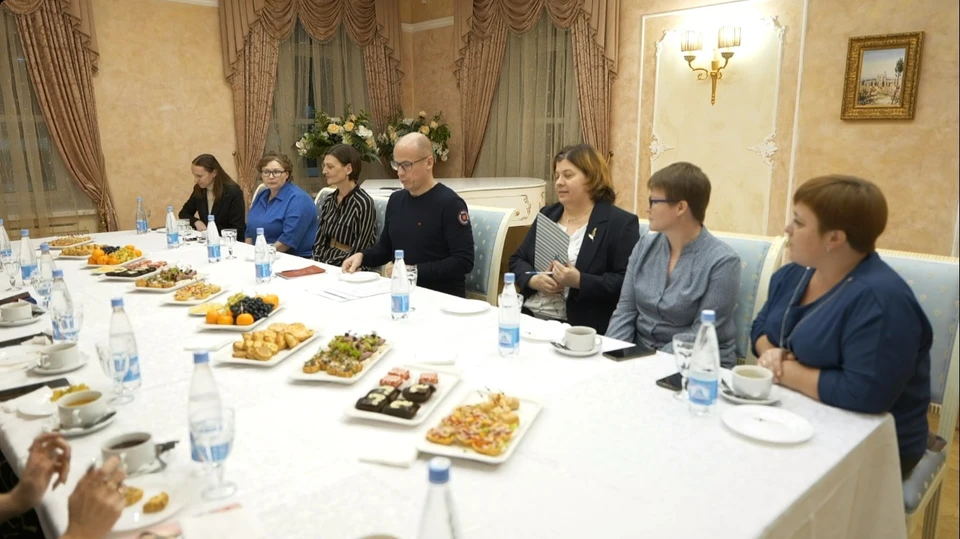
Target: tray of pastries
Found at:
x=407, y=395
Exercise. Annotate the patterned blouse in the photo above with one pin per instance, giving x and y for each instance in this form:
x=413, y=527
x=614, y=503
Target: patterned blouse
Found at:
x=346, y=227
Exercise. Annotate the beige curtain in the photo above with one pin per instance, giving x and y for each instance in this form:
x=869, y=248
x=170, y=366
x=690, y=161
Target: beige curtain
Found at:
x=481, y=28
x=60, y=65
x=534, y=112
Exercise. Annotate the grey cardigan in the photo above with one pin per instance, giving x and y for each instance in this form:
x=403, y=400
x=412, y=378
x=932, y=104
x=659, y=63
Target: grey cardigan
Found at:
x=652, y=310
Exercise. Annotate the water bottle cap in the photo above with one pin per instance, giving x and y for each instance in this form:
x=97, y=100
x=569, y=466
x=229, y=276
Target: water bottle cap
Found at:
x=200, y=358
x=1, y=222
x=58, y=273
x=116, y=302
x=210, y=217
x=139, y=199
x=398, y=253
x=708, y=316
x=44, y=247
x=169, y=208
x=259, y=231
x=439, y=470
x=509, y=278
x=24, y=233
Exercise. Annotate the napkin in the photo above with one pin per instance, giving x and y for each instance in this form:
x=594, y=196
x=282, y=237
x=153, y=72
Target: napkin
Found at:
x=389, y=455
x=11, y=406
x=438, y=358
x=237, y=523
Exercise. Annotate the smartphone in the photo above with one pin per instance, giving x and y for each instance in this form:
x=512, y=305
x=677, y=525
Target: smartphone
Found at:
x=630, y=352
x=674, y=382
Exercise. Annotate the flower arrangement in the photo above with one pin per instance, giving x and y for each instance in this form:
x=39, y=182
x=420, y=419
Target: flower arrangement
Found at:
x=327, y=131
x=434, y=128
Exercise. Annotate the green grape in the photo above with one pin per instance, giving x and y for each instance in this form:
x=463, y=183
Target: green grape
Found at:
x=232, y=300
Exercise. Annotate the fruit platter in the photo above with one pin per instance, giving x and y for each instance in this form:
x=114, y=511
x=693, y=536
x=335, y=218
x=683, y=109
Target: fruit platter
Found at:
x=486, y=427
x=407, y=395
x=345, y=359
x=132, y=271
x=106, y=255
x=241, y=313
x=168, y=279
x=269, y=347
x=68, y=241
x=195, y=293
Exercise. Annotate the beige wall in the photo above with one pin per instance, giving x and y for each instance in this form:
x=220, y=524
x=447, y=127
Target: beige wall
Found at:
x=161, y=100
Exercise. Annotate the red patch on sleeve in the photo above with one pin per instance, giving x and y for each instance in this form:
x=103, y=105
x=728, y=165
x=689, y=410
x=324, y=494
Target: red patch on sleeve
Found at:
x=464, y=217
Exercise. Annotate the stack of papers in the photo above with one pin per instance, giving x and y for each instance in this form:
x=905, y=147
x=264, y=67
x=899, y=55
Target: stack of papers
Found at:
x=341, y=292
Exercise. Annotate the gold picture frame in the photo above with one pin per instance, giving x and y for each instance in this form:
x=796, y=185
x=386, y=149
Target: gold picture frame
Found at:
x=881, y=78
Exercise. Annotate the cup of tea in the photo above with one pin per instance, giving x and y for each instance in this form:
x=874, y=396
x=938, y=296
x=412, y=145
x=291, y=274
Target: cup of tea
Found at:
x=59, y=356
x=581, y=339
x=752, y=381
x=135, y=450
x=81, y=408
x=13, y=312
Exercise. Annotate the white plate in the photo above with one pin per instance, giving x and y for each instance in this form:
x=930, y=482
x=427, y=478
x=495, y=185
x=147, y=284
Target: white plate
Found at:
x=133, y=517
x=532, y=329
x=241, y=329
x=47, y=372
x=76, y=433
x=62, y=247
x=174, y=288
x=38, y=407
x=18, y=323
x=192, y=302
x=768, y=424
x=528, y=412
x=226, y=356
x=573, y=353
x=466, y=306
x=129, y=279
x=131, y=261
x=322, y=376
x=446, y=381
x=359, y=277
x=73, y=257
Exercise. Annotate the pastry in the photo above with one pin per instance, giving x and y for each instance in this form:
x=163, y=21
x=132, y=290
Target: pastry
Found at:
x=389, y=392
x=419, y=393
x=441, y=435
x=312, y=367
x=391, y=380
x=157, y=503
x=402, y=373
x=131, y=495
x=485, y=427
x=373, y=402
x=429, y=378
x=401, y=408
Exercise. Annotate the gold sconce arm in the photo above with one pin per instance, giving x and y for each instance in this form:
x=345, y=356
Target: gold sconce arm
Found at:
x=702, y=73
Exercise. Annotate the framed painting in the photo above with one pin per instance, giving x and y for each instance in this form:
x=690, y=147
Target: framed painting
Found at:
x=881, y=78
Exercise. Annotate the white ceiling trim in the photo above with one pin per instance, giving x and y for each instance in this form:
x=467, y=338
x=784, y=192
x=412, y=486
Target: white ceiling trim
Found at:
x=207, y=3
x=427, y=25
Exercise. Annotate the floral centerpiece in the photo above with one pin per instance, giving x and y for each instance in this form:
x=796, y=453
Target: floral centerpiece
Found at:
x=327, y=131
x=434, y=128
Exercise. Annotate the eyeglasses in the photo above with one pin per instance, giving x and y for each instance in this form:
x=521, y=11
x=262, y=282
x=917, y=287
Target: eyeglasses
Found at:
x=405, y=165
x=655, y=201
x=271, y=173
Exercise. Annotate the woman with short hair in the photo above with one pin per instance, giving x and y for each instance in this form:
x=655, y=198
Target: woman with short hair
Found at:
x=285, y=212
x=348, y=219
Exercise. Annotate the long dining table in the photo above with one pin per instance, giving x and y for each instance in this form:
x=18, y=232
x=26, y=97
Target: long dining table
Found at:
x=611, y=455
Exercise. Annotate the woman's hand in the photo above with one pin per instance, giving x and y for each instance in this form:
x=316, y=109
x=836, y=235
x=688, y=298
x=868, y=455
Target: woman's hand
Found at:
x=199, y=225
x=97, y=502
x=545, y=283
x=566, y=275
x=352, y=263
x=773, y=360
x=49, y=456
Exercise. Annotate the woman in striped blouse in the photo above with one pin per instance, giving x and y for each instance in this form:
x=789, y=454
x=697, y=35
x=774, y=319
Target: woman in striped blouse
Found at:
x=348, y=219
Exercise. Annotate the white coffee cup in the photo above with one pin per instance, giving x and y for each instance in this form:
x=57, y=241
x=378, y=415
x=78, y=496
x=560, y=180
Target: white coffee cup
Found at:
x=59, y=356
x=12, y=312
x=581, y=339
x=81, y=408
x=752, y=381
x=135, y=450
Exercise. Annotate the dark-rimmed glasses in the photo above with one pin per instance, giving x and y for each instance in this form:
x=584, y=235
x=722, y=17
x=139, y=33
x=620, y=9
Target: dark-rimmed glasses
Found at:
x=272, y=173
x=405, y=165
x=655, y=201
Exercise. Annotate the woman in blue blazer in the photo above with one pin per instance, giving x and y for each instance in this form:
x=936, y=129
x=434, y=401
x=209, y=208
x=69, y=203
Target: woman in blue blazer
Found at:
x=584, y=290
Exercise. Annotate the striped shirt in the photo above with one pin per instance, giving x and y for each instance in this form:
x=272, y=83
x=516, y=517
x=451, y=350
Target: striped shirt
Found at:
x=350, y=224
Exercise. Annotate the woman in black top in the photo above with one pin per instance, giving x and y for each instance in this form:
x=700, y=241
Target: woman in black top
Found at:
x=215, y=193
x=348, y=219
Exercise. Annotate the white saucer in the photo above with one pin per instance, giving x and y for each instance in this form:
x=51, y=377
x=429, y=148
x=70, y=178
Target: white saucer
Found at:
x=571, y=353
x=76, y=433
x=134, y=518
x=466, y=306
x=360, y=277
x=772, y=398
x=38, y=407
x=768, y=424
x=18, y=323
x=535, y=330
x=46, y=372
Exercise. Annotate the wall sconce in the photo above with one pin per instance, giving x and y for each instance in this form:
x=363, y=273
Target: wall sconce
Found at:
x=728, y=37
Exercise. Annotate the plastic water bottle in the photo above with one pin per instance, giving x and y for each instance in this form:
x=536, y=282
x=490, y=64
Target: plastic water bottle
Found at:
x=509, y=335
x=173, y=229
x=60, y=303
x=28, y=259
x=439, y=520
x=204, y=395
x=6, y=248
x=399, y=288
x=122, y=341
x=43, y=282
x=704, y=374
x=142, y=224
x=213, y=240
x=261, y=258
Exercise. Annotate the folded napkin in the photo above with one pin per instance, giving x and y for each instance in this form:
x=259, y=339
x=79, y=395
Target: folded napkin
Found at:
x=11, y=406
x=399, y=456
x=302, y=272
x=238, y=523
x=437, y=358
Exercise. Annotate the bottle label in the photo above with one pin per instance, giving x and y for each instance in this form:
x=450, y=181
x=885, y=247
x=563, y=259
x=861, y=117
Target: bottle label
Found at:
x=6, y=253
x=133, y=374
x=26, y=272
x=509, y=336
x=263, y=270
x=400, y=303
x=213, y=251
x=141, y=227
x=702, y=392
x=173, y=238
x=214, y=453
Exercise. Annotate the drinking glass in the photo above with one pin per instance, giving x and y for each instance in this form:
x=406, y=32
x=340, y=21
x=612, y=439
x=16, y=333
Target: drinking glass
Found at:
x=272, y=253
x=683, y=355
x=412, y=279
x=212, y=431
x=115, y=366
x=229, y=240
x=68, y=323
x=184, y=228
x=11, y=265
x=44, y=288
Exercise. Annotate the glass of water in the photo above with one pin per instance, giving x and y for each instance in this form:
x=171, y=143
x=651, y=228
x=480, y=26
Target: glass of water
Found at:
x=412, y=279
x=212, y=432
x=11, y=265
x=229, y=236
x=683, y=355
x=116, y=368
x=44, y=288
x=184, y=228
x=68, y=323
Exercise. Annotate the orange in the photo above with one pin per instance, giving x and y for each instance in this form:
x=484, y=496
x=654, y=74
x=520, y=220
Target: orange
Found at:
x=225, y=320
x=272, y=299
x=138, y=252
x=98, y=252
x=112, y=260
x=244, y=319
x=212, y=317
x=92, y=260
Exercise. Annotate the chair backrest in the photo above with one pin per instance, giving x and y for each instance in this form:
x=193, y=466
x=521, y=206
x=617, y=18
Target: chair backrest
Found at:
x=489, y=233
x=644, y=226
x=320, y=198
x=380, y=205
x=935, y=281
x=759, y=258
x=255, y=193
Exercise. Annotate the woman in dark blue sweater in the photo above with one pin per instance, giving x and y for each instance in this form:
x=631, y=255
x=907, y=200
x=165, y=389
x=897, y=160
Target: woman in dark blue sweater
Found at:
x=840, y=325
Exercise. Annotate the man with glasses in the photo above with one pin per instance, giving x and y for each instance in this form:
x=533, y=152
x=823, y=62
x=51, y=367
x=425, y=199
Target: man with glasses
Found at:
x=426, y=219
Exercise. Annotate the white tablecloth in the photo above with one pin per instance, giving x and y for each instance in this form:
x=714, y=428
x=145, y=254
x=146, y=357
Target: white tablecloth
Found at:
x=611, y=455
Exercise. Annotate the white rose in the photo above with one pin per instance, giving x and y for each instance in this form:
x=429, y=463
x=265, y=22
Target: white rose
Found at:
x=407, y=122
x=422, y=114
x=434, y=125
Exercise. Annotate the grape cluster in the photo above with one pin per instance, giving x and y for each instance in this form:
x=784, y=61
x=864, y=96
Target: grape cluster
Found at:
x=109, y=249
x=256, y=307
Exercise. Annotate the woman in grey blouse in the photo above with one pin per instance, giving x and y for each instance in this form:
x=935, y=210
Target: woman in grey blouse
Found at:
x=679, y=271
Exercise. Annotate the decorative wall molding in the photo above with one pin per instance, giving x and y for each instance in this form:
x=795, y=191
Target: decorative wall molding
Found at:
x=956, y=234
x=657, y=148
x=766, y=149
x=426, y=25
x=207, y=3
x=774, y=24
